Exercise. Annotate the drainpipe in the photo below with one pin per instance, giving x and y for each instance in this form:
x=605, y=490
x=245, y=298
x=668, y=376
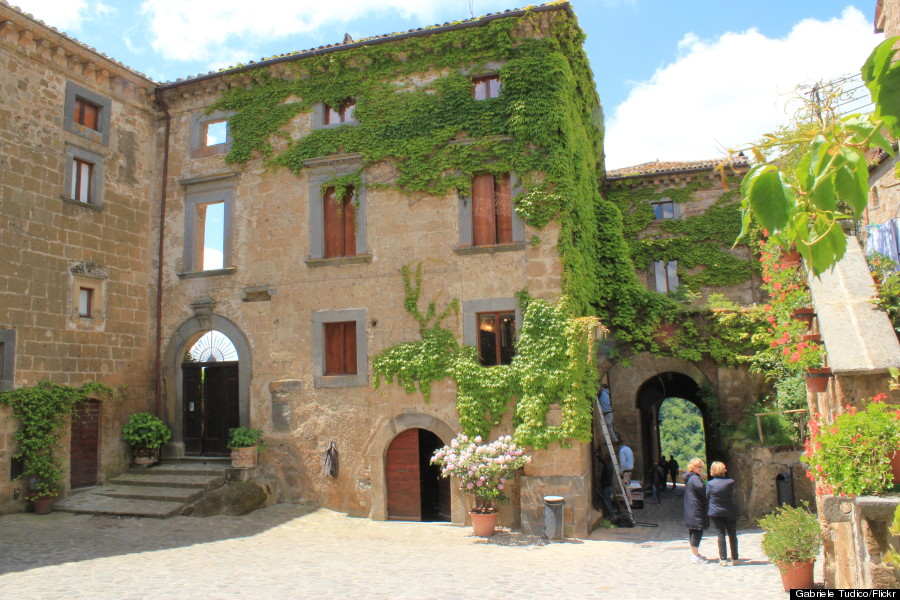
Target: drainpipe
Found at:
x=159, y=259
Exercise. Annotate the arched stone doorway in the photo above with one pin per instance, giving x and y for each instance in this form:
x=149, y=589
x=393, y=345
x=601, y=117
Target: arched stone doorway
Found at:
x=378, y=460
x=224, y=385
x=415, y=489
x=665, y=386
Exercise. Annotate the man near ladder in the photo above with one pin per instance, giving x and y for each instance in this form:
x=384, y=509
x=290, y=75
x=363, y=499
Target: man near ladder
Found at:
x=626, y=463
x=603, y=400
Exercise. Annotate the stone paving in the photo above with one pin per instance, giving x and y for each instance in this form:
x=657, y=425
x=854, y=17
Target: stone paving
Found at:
x=296, y=552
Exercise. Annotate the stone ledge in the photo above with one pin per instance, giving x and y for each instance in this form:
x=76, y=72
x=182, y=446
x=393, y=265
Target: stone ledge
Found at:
x=69, y=200
x=210, y=273
x=469, y=250
x=342, y=260
x=839, y=509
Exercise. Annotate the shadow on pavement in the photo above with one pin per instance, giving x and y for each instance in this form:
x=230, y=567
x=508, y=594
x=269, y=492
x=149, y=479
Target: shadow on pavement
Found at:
x=60, y=537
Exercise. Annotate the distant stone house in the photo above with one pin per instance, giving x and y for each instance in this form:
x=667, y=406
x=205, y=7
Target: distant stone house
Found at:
x=277, y=204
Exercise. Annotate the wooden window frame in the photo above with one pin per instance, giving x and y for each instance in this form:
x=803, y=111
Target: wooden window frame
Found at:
x=339, y=224
x=87, y=113
x=343, y=114
x=497, y=333
x=492, y=210
x=77, y=180
x=485, y=83
x=659, y=210
x=339, y=341
x=324, y=377
x=88, y=313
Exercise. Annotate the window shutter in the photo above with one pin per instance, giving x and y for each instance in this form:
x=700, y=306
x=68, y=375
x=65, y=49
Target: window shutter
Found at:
x=504, y=209
x=484, y=225
x=334, y=234
x=334, y=348
x=350, y=347
x=348, y=216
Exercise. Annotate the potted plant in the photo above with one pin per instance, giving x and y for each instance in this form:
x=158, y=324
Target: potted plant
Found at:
x=792, y=540
x=146, y=433
x=245, y=444
x=43, y=410
x=482, y=470
x=852, y=456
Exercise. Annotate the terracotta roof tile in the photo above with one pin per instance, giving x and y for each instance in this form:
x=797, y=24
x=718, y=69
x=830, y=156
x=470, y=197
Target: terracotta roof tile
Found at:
x=667, y=167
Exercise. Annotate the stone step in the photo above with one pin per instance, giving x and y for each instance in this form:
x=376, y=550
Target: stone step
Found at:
x=99, y=504
x=144, y=492
x=151, y=479
x=184, y=468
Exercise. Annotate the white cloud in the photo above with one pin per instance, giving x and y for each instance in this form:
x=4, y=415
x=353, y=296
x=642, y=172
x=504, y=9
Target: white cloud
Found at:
x=729, y=91
x=200, y=29
x=212, y=259
x=65, y=15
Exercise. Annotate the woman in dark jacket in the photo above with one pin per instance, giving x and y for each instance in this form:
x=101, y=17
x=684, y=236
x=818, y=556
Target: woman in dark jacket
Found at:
x=722, y=511
x=695, y=516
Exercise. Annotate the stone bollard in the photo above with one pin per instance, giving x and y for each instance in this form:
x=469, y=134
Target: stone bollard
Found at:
x=553, y=517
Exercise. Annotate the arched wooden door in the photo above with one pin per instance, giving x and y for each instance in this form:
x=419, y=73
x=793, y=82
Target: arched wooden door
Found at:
x=415, y=489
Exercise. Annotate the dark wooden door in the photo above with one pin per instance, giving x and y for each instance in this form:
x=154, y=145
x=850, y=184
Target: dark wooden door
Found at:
x=211, y=406
x=402, y=477
x=85, y=444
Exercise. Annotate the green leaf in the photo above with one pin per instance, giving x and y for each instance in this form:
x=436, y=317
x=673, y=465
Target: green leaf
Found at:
x=883, y=80
x=770, y=199
x=852, y=180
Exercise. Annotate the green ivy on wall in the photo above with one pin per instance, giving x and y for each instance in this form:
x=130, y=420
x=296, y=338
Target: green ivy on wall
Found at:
x=553, y=363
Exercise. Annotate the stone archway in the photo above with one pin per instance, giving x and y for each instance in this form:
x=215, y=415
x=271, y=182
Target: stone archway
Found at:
x=378, y=455
x=179, y=343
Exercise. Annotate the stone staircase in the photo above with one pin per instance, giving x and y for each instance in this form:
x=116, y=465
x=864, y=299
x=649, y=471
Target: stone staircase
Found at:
x=160, y=491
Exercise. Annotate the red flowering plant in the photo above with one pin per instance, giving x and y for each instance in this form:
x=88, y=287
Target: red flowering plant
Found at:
x=852, y=455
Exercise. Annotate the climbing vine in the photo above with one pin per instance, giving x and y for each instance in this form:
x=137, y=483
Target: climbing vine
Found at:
x=553, y=363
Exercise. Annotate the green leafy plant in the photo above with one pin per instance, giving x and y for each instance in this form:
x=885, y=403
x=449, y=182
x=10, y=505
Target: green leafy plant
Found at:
x=482, y=470
x=851, y=456
x=829, y=181
x=791, y=535
x=43, y=410
x=244, y=437
x=887, y=280
x=145, y=433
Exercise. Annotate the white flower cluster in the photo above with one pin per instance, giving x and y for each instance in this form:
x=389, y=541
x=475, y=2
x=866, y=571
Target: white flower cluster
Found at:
x=482, y=469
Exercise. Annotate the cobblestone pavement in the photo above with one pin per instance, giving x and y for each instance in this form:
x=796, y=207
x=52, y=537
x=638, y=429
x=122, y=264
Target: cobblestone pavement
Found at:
x=288, y=551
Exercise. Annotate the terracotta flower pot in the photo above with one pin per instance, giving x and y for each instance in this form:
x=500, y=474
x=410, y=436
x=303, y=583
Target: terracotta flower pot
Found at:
x=43, y=505
x=791, y=258
x=244, y=458
x=797, y=576
x=483, y=524
x=811, y=337
x=895, y=467
x=145, y=457
x=817, y=379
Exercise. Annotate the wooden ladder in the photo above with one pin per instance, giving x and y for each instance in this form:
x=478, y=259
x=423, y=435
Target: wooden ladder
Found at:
x=626, y=495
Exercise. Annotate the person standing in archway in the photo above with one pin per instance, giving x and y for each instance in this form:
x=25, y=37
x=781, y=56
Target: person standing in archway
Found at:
x=672, y=467
x=626, y=463
x=605, y=403
x=695, y=508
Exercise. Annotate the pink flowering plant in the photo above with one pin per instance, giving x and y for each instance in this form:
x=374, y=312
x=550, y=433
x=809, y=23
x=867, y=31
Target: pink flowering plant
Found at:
x=483, y=470
x=852, y=455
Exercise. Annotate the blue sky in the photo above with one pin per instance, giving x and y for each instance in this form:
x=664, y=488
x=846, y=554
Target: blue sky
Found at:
x=678, y=79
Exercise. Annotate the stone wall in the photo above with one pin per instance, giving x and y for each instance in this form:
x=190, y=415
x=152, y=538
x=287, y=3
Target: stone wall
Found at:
x=51, y=245
x=272, y=245
x=756, y=470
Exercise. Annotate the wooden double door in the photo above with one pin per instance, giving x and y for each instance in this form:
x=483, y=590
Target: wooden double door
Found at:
x=211, y=406
x=415, y=489
x=85, y=445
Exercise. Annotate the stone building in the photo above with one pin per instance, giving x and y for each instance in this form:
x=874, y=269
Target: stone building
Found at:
x=79, y=188
x=276, y=206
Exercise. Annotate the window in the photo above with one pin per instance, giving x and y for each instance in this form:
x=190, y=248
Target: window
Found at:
x=496, y=338
x=85, y=302
x=491, y=210
x=210, y=134
x=663, y=210
x=337, y=224
x=666, y=275
x=7, y=358
x=339, y=348
x=87, y=295
x=84, y=176
x=208, y=210
x=340, y=230
x=486, y=87
x=87, y=113
x=82, y=171
x=341, y=114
